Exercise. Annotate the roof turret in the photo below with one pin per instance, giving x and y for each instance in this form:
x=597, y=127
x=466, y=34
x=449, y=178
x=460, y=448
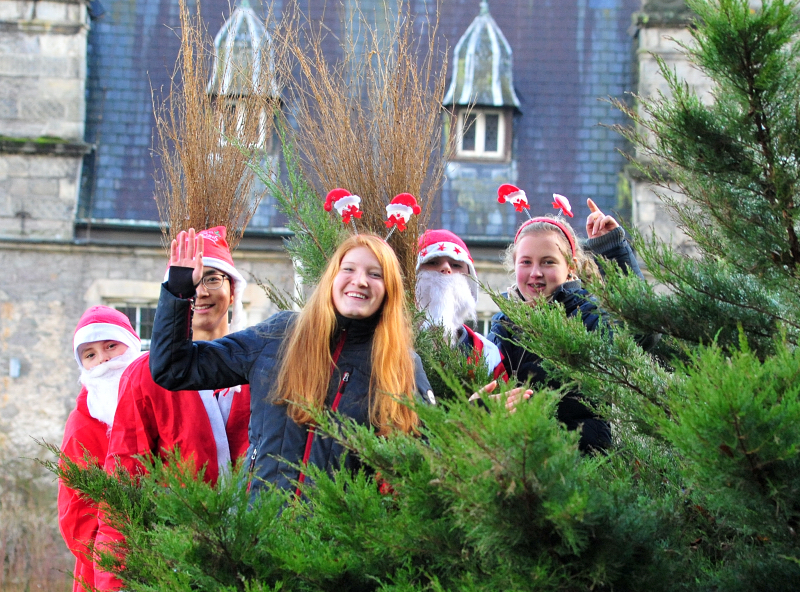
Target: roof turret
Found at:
x=239, y=54
x=482, y=66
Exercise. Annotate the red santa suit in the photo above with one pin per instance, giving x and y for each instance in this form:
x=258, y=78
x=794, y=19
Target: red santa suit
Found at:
x=77, y=517
x=209, y=427
x=87, y=430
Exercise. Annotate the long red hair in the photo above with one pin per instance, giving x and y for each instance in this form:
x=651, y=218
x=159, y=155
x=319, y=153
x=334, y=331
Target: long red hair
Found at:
x=306, y=368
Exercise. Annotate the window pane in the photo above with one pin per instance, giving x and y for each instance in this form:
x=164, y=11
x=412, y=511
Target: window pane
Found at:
x=492, y=129
x=146, y=326
x=130, y=312
x=468, y=136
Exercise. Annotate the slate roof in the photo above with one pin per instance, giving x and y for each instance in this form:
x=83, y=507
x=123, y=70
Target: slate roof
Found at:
x=131, y=47
x=568, y=56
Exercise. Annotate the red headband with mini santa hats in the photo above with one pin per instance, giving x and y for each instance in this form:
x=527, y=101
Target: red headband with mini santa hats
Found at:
x=103, y=323
x=443, y=243
x=217, y=254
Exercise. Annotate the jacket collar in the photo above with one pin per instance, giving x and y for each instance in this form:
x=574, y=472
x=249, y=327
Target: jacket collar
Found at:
x=358, y=330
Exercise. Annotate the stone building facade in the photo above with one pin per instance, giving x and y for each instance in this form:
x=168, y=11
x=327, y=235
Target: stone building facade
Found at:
x=661, y=27
x=78, y=225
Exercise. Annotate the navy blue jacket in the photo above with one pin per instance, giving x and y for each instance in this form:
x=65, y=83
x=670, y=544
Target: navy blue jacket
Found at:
x=526, y=366
x=252, y=356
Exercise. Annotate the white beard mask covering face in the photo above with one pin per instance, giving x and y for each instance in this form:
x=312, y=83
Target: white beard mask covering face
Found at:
x=102, y=386
x=446, y=300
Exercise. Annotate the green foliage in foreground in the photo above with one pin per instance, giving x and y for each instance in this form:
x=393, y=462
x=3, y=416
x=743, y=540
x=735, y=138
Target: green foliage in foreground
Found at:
x=497, y=501
x=485, y=501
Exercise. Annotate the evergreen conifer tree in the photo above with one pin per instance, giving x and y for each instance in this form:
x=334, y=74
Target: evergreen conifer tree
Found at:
x=701, y=491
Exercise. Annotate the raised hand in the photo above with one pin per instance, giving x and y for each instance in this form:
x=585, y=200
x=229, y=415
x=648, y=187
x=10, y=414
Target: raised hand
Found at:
x=597, y=223
x=513, y=396
x=186, y=250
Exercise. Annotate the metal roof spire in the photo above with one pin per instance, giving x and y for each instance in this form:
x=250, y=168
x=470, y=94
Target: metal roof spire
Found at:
x=482, y=66
x=240, y=46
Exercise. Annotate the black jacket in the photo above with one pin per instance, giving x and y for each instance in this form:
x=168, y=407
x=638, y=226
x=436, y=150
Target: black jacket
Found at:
x=526, y=366
x=252, y=357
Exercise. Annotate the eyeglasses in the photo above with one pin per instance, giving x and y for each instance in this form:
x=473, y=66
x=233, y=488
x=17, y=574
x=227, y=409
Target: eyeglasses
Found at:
x=214, y=281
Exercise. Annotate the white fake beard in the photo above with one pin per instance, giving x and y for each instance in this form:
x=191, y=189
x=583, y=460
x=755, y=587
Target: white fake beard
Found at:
x=102, y=386
x=446, y=299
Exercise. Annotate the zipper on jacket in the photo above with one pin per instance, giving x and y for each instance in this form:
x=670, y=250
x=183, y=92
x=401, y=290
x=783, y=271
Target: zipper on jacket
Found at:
x=312, y=429
x=252, y=466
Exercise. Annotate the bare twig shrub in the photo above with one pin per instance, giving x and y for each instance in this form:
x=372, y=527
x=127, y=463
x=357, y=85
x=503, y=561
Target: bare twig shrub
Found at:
x=33, y=555
x=206, y=140
x=371, y=121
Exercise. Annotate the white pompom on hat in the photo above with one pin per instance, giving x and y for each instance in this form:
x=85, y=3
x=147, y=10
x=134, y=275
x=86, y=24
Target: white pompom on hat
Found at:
x=217, y=254
x=443, y=243
x=103, y=323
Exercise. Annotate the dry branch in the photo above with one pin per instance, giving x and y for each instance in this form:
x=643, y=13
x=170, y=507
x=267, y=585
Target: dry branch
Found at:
x=205, y=140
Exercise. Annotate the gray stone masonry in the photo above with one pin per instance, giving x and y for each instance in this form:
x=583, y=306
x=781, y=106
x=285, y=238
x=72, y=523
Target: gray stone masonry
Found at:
x=42, y=89
x=649, y=214
x=38, y=196
x=42, y=69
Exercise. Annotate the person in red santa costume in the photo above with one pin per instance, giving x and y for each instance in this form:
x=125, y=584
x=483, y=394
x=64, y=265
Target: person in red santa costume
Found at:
x=104, y=345
x=447, y=290
x=207, y=426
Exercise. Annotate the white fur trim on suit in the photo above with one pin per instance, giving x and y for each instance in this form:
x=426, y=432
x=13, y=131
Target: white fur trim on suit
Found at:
x=218, y=429
x=104, y=332
x=491, y=353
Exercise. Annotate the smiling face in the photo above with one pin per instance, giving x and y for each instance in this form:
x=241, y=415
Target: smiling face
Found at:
x=358, y=288
x=94, y=353
x=540, y=265
x=444, y=264
x=210, y=320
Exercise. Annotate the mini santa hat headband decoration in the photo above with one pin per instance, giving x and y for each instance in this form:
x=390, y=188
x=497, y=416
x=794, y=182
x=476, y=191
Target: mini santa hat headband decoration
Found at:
x=346, y=204
x=103, y=323
x=217, y=254
x=508, y=193
x=398, y=212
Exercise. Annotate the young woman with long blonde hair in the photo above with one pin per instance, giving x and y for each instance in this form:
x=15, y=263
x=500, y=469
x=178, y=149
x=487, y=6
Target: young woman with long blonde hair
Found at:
x=349, y=350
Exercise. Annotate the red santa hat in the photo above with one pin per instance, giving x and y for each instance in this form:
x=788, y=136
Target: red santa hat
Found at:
x=345, y=203
x=400, y=210
x=103, y=323
x=443, y=243
x=513, y=195
x=217, y=254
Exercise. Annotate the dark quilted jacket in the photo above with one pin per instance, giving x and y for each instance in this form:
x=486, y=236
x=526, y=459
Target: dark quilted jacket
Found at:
x=251, y=357
x=526, y=366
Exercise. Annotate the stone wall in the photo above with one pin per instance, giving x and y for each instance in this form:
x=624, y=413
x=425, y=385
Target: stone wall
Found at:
x=43, y=69
x=42, y=115
x=662, y=27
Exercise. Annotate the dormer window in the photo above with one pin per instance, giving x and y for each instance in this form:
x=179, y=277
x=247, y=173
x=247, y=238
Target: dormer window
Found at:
x=481, y=100
x=481, y=133
x=239, y=108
